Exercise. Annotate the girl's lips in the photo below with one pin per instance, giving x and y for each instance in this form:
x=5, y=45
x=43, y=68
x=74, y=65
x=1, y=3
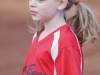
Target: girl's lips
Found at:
x=33, y=12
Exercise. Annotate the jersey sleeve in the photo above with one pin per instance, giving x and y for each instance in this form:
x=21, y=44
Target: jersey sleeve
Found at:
x=68, y=62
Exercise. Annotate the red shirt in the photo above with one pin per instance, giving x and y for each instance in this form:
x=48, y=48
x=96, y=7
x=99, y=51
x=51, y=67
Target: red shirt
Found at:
x=59, y=53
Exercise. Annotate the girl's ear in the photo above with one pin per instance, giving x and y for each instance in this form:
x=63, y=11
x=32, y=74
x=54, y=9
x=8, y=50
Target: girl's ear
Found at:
x=62, y=4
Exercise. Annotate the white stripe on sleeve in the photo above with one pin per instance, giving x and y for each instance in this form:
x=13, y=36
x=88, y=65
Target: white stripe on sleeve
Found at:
x=80, y=51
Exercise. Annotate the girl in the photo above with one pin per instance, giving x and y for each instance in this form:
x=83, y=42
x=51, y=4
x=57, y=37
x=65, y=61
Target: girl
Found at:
x=56, y=46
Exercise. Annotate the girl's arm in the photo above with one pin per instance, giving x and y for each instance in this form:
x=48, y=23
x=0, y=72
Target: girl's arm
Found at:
x=68, y=62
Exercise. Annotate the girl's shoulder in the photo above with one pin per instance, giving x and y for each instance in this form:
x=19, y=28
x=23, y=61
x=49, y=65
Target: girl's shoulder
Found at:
x=68, y=38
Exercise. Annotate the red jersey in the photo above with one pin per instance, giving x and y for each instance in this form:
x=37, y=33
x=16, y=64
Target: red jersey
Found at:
x=59, y=53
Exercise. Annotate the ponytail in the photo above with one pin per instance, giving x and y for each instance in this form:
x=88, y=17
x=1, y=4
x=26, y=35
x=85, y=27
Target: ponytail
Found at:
x=83, y=23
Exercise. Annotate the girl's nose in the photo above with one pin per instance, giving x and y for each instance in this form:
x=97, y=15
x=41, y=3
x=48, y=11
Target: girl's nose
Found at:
x=32, y=3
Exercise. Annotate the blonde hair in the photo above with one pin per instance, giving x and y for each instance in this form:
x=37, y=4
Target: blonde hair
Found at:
x=83, y=23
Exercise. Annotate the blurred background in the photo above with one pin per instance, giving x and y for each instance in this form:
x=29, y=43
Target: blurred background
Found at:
x=15, y=39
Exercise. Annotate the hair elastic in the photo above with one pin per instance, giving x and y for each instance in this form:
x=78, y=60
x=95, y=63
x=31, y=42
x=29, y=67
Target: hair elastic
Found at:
x=76, y=3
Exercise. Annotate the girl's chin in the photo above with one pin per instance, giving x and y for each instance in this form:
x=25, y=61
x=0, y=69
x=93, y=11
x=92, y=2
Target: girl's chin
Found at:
x=36, y=19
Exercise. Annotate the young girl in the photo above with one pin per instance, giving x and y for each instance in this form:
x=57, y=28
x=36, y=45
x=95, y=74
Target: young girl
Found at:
x=56, y=46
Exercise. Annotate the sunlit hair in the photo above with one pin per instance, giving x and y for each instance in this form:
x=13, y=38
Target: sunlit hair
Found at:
x=83, y=23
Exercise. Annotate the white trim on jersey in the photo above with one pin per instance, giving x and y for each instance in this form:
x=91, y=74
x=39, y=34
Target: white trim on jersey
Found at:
x=54, y=48
x=55, y=73
x=80, y=51
x=35, y=34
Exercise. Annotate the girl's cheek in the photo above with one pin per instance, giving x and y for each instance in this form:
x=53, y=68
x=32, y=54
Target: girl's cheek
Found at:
x=42, y=9
x=43, y=6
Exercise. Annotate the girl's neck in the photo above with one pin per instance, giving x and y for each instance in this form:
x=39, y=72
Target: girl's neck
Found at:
x=54, y=23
